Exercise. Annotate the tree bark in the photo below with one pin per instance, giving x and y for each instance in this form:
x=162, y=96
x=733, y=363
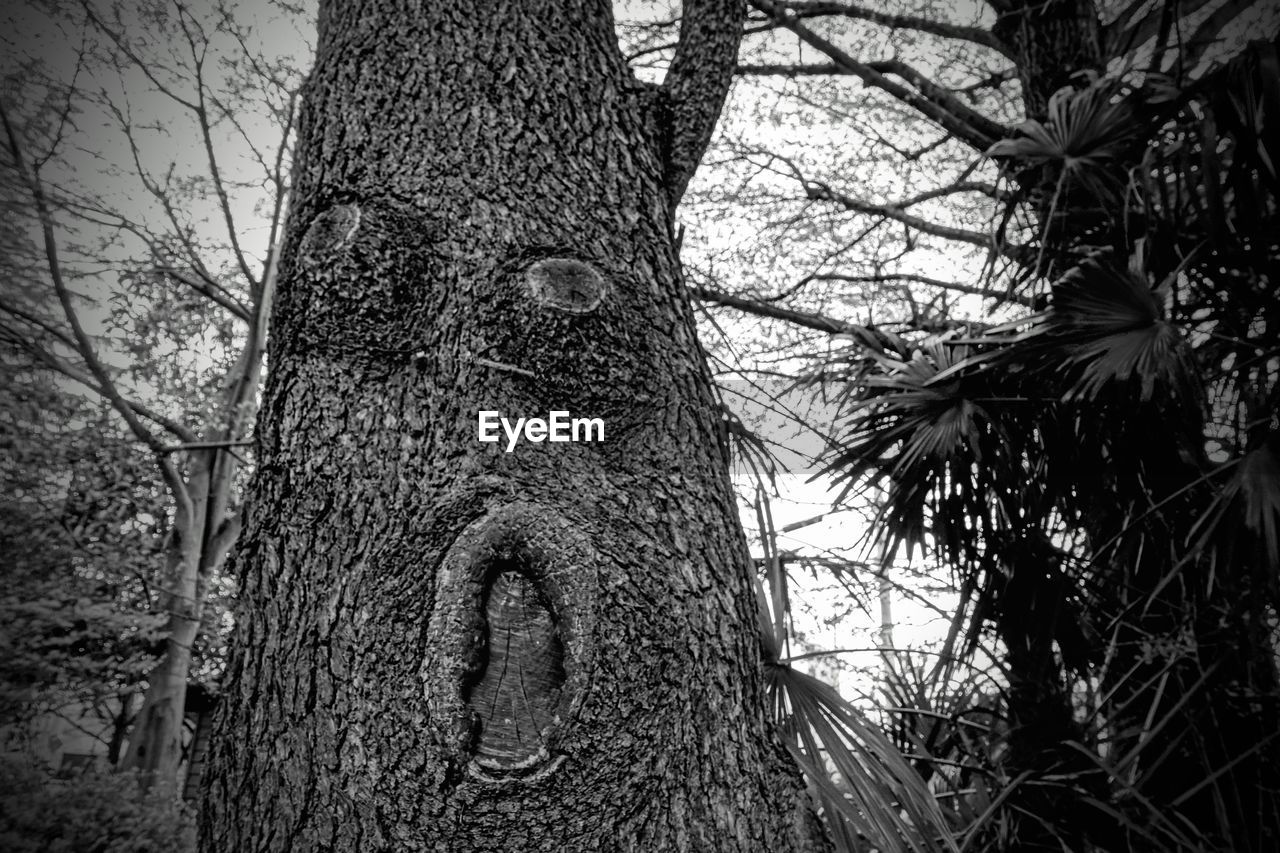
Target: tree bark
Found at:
x=443, y=645
x=1050, y=41
x=120, y=723
x=155, y=743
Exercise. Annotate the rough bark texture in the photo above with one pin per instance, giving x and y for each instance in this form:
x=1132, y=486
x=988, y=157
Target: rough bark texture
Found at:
x=441, y=645
x=1050, y=41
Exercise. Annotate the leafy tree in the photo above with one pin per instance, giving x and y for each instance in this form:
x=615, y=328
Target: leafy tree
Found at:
x=185, y=286
x=1020, y=453
x=77, y=535
x=145, y=304
x=980, y=466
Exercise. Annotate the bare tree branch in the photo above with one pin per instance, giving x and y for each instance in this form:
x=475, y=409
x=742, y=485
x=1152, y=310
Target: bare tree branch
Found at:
x=262, y=297
x=888, y=66
x=201, y=110
x=84, y=346
x=776, y=312
x=181, y=230
x=1140, y=21
x=194, y=276
x=206, y=445
x=223, y=539
x=146, y=67
x=200, y=287
x=40, y=323
x=54, y=363
x=816, y=69
x=698, y=81
x=821, y=192
x=931, y=282
x=994, y=80
x=1208, y=34
x=241, y=385
x=817, y=8
x=987, y=189
x=928, y=98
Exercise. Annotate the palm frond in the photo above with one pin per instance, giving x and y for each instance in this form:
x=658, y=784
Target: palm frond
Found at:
x=1083, y=129
x=867, y=790
x=1258, y=484
x=1074, y=157
x=863, y=781
x=1110, y=323
x=1246, y=510
x=917, y=422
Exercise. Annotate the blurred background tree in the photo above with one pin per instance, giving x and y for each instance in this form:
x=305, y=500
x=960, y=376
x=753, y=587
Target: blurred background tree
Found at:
x=144, y=169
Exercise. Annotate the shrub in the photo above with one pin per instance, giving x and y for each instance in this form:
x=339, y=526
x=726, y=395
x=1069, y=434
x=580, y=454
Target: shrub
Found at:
x=94, y=812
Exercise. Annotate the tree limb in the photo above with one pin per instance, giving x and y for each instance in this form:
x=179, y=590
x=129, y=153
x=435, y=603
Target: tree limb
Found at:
x=931, y=282
x=199, y=286
x=698, y=81
x=775, y=312
x=56, y=364
x=817, y=8
x=1140, y=21
x=181, y=231
x=40, y=323
x=983, y=187
x=886, y=66
x=206, y=445
x=812, y=69
x=928, y=98
x=223, y=539
x=821, y=192
x=195, y=276
x=84, y=346
x=201, y=110
x=241, y=385
x=147, y=68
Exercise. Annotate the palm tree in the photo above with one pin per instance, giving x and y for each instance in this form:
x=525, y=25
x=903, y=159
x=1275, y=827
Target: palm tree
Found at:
x=1105, y=474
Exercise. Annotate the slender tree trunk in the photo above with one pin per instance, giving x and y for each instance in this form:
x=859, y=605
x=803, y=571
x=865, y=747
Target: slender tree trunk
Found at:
x=443, y=645
x=155, y=743
x=120, y=723
x=200, y=541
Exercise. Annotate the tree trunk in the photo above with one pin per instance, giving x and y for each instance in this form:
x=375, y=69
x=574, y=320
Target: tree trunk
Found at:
x=155, y=743
x=202, y=536
x=1030, y=609
x=1052, y=41
x=443, y=645
x=120, y=723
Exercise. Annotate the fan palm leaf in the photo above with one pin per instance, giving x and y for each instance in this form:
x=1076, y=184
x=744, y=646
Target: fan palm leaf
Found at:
x=918, y=422
x=866, y=786
x=867, y=790
x=1110, y=323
